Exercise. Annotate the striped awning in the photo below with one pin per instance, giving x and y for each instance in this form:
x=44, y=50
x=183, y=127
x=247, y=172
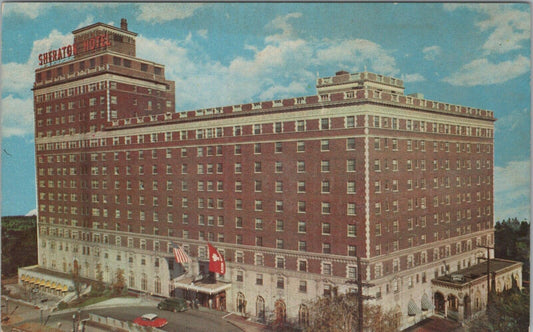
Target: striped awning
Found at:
x=412, y=308
x=426, y=303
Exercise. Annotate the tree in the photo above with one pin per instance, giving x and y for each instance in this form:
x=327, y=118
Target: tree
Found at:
x=76, y=279
x=120, y=282
x=98, y=286
x=511, y=241
x=508, y=311
x=338, y=313
x=19, y=244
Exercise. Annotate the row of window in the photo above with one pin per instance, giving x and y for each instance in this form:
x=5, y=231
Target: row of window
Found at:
x=420, y=145
x=431, y=127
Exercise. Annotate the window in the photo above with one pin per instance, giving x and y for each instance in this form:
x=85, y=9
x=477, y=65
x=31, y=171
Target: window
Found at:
x=326, y=268
x=350, y=187
x=259, y=279
x=350, y=143
x=302, y=286
x=300, y=125
x=324, y=145
x=325, y=187
x=324, y=123
x=324, y=166
x=301, y=227
x=352, y=231
x=326, y=228
x=301, y=207
x=280, y=262
x=280, y=283
x=350, y=209
x=278, y=147
x=350, y=122
x=350, y=165
x=300, y=146
x=300, y=166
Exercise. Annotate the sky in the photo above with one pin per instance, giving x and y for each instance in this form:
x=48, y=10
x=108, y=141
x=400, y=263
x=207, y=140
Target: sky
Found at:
x=221, y=54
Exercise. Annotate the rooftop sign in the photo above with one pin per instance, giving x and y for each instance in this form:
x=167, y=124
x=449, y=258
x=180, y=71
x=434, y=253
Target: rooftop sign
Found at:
x=71, y=50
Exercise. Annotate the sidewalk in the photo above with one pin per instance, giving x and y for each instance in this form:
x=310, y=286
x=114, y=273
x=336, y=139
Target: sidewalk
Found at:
x=244, y=324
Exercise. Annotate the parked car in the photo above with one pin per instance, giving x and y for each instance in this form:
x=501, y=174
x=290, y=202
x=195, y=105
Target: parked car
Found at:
x=173, y=304
x=150, y=320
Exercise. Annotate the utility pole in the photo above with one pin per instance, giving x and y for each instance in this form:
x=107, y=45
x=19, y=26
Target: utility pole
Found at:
x=488, y=272
x=360, y=297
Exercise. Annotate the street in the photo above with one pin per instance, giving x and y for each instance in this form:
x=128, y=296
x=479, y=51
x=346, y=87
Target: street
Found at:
x=191, y=320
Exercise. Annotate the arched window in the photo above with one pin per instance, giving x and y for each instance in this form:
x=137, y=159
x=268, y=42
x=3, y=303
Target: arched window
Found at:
x=281, y=312
x=260, y=308
x=157, y=285
x=132, y=280
x=241, y=303
x=303, y=315
x=143, y=282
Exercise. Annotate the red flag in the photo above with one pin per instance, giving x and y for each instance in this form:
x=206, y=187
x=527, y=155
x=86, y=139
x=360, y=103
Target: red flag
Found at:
x=216, y=261
x=180, y=255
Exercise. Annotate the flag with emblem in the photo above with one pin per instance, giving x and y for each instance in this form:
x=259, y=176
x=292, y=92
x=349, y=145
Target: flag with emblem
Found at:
x=180, y=255
x=216, y=261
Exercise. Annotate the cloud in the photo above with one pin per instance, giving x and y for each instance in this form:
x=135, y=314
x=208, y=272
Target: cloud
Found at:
x=410, y=78
x=431, y=52
x=282, y=66
x=513, y=121
x=21, y=75
x=358, y=53
x=31, y=10
x=484, y=72
x=17, y=116
x=163, y=12
x=509, y=27
x=202, y=33
x=282, y=23
x=512, y=190
x=88, y=21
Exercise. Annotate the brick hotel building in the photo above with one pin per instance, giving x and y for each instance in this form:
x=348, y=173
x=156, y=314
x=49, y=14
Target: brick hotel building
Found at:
x=290, y=191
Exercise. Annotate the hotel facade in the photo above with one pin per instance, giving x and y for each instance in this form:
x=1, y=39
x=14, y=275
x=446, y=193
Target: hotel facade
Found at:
x=292, y=192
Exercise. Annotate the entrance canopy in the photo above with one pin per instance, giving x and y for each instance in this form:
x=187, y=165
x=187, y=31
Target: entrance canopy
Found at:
x=201, y=287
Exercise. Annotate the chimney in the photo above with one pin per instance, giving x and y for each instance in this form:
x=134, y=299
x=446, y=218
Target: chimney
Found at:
x=124, y=24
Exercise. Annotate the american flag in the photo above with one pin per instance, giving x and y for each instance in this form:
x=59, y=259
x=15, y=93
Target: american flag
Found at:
x=180, y=255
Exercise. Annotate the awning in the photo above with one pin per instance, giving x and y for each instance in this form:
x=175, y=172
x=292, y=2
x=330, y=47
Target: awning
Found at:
x=412, y=308
x=201, y=287
x=426, y=303
x=48, y=283
x=32, y=280
x=65, y=288
x=23, y=277
x=53, y=285
x=42, y=283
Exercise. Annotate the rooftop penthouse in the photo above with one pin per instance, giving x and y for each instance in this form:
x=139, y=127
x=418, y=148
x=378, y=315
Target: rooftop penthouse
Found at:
x=358, y=88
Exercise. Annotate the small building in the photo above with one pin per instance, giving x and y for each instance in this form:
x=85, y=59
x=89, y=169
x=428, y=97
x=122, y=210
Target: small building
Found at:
x=462, y=294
